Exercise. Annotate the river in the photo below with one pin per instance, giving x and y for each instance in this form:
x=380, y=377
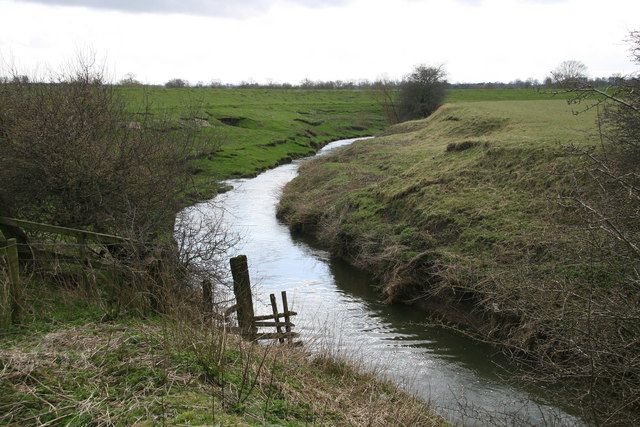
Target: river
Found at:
x=339, y=311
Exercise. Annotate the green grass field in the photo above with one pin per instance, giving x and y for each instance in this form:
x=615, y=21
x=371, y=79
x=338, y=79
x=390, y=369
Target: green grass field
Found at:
x=470, y=95
x=261, y=128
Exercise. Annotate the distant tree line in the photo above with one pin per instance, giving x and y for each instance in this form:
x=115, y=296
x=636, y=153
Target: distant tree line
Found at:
x=557, y=78
x=548, y=82
x=305, y=84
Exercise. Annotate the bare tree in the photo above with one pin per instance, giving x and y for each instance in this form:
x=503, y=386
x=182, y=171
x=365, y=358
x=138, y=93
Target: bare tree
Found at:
x=569, y=73
x=600, y=325
x=74, y=155
x=204, y=241
x=129, y=79
x=386, y=93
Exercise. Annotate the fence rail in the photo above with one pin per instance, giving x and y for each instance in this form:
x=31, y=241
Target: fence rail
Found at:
x=249, y=324
x=12, y=253
x=82, y=235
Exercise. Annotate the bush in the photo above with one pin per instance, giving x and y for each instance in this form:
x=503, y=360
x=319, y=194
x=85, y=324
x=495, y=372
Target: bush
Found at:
x=421, y=92
x=72, y=155
x=176, y=83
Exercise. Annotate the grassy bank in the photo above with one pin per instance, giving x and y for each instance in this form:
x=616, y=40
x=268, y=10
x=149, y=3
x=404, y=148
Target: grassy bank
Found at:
x=459, y=213
x=463, y=196
x=68, y=365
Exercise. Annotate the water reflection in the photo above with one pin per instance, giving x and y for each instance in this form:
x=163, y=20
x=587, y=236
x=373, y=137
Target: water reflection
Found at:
x=412, y=328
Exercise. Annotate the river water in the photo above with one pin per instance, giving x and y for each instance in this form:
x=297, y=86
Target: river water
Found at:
x=338, y=309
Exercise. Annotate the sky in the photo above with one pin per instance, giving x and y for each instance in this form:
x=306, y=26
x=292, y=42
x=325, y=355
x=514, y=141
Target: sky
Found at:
x=290, y=40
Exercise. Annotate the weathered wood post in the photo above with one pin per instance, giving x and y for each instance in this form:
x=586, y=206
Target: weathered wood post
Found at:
x=242, y=291
x=12, y=230
x=81, y=240
x=287, y=317
x=276, y=317
x=14, y=275
x=207, y=297
x=5, y=288
x=82, y=248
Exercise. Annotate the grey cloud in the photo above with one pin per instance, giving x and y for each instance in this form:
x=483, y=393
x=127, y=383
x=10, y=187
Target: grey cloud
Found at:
x=479, y=2
x=191, y=7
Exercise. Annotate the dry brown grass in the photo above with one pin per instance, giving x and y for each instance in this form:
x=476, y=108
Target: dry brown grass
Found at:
x=320, y=388
x=180, y=369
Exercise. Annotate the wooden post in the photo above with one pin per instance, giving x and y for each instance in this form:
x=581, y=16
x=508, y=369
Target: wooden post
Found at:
x=5, y=289
x=276, y=317
x=13, y=230
x=82, y=248
x=158, y=285
x=81, y=240
x=14, y=275
x=287, y=318
x=207, y=297
x=242, y=291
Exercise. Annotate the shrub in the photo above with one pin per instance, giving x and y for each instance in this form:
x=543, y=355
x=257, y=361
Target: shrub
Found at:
x=176, y=83
x=421, y=92
x=73, y=156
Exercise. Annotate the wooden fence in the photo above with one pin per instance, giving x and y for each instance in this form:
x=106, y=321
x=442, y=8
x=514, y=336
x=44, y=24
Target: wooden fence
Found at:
x=250, y=326
x=13, y=252
x=11, y=289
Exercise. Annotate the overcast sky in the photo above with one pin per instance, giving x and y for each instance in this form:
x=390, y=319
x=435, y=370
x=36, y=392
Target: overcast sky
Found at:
x=289, y=40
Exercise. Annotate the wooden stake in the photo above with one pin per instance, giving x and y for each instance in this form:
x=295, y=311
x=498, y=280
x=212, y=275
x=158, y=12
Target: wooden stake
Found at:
x=84, y=262
x=274, y=307
x=5, y=289
x=156, y=286
x=207, y=296
x=242, y=291
x=287, y=319
x=82, y=248
x=14, y=275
